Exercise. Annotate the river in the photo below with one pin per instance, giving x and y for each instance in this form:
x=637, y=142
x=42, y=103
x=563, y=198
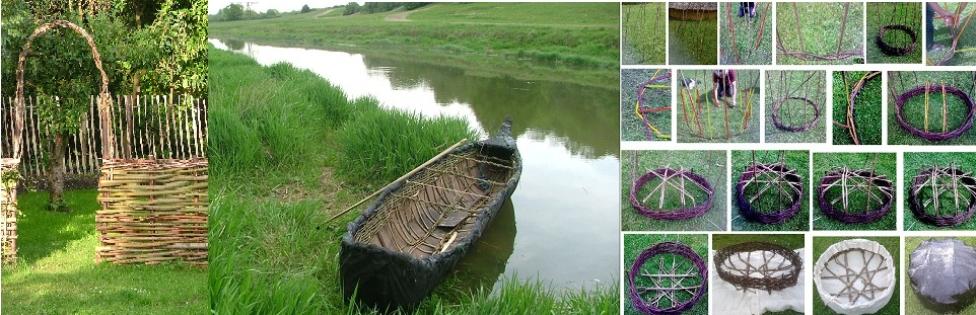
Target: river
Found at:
x=562, y=224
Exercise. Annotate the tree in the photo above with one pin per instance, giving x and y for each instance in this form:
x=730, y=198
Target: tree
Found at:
x=271, y=13
x=351, y=8
x=306, y=9
x=232, y=12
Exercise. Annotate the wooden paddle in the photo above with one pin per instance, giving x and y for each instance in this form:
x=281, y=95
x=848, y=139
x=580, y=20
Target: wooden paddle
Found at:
x=414, y=171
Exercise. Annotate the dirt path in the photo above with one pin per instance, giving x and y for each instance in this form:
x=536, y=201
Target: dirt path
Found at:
x=325, y=12
x=403, y=15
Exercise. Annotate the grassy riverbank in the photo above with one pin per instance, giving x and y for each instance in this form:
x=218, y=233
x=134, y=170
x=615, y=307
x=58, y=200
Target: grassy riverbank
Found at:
x=288, y=150
x=56, y=272
x=572, y=42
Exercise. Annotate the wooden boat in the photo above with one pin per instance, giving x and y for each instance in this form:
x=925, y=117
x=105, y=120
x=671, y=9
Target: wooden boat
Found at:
x=412, y=236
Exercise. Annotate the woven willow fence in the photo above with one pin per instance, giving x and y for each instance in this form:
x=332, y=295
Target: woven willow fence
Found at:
x=153, y=176
x=8, y=210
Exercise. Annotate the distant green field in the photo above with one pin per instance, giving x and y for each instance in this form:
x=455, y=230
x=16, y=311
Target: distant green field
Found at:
x=814, y=28
x=899, y=82
x=644, y=33
x=884, y=164
x=635, y=244
x=797, y=160
x=894, y=13
x=796, y=112
x=917, y=161
x=739, y=38
x=574, y=42
x=709, y=164
x=867, y=107
x=891, y=244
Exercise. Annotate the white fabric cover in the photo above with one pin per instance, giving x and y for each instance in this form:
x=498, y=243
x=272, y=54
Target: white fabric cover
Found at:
x=731, y=301
x=884, y=278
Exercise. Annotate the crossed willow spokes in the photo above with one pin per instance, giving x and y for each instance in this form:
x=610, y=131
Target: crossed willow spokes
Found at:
x=668, y=282
x=856, y=283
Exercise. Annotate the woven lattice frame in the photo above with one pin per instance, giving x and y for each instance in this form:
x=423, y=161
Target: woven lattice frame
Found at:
x=677, y=307
x=783, y=176
x=857, y=283
x=890, y=50
x=967, y=123
x=153, y=211
x=8, y=210
x=768, y=280
x=962, y=185
x=837, y=179
x=666, y=173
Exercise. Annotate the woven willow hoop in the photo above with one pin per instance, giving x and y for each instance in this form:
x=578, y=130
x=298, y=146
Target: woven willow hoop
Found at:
x=780, y=269
x=890, y=50
x=871, y=184
x=961, y=185
x=781, y=175
x=967, y=123
x=778, y=122
x=675, y=278
x=666, y=174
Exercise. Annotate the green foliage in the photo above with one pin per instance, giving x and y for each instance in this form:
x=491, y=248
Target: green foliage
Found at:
x=181, y=36
x=306, y=9
x=232, y=12
x=351, y=8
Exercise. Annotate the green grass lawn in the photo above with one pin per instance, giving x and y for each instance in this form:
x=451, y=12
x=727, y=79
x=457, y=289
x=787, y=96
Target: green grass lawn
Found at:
x=894, y=13
x=643, y=33
x=568, y=42
x=742, y=49
x=913, y=303
x=820, y=26
x=820, y=244
x=884, y=164
x=56, y=272
x=741, y=128
x=965, y=54
x=797, y=160
x=287, y=152
x=867, y=108
x=692, y=42
x=915, y=114
x=631, y=127
x=918, y=161
x=634, y=244
x=709, y=164
x=779, y=85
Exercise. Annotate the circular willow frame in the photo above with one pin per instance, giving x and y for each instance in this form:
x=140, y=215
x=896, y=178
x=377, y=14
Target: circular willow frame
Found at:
x=902, y=99
x=840, y=176
x=785, y=175
x=769, y=281
x=678, y=249
x=928, y=178
x=839, y=254
x=674, y=214
x=890, y=50
x=778, y=122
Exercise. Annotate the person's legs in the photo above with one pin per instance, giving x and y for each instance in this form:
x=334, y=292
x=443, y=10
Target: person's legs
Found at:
x=742, y=9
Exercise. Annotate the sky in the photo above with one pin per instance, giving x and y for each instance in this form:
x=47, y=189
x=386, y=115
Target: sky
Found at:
x=281, y=5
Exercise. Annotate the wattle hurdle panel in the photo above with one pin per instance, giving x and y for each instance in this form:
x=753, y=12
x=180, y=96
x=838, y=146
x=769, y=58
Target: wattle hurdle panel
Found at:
x=8, y=209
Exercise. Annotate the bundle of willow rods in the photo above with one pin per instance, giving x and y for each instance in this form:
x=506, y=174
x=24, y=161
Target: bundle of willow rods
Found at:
x=8, y=209
x=769, y=281
x=660, y=249
x=928, y=179
x=967, y=123
x=840, y=177
x=153, y=210
x=783, y=175
x=671, y=214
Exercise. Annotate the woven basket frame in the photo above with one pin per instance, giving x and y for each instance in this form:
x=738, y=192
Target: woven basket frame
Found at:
x=879, y=181
x=784, y=173
x=672, y=214
x=767, y=283
x=965, y=183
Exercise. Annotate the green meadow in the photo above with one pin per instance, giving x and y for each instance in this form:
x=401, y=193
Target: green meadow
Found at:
x=288, y=151
x=570, y=42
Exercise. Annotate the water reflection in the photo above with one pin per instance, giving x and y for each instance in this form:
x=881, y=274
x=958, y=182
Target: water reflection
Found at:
x=565, y=206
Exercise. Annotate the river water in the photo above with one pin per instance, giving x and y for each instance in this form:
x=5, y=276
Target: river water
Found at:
x=561, y=225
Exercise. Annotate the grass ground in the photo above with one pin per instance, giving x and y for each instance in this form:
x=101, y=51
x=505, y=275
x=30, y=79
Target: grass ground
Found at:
x=742, y=49
x=795, y=112
x=899, y=13
x=568, y=42
x=56, y=272
x=867, y=108
x=820, y=27
x=899, y=82
x=884, y=164
x=892, y=244
x=292, y=150
x=643, y=33
x=965, y=54
x=918, y=161
x=712, y=117
x=913, y=303
x=797, y=160
x=634, y=244
x=692, y=42
x=631, y=127
x=709, y=164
